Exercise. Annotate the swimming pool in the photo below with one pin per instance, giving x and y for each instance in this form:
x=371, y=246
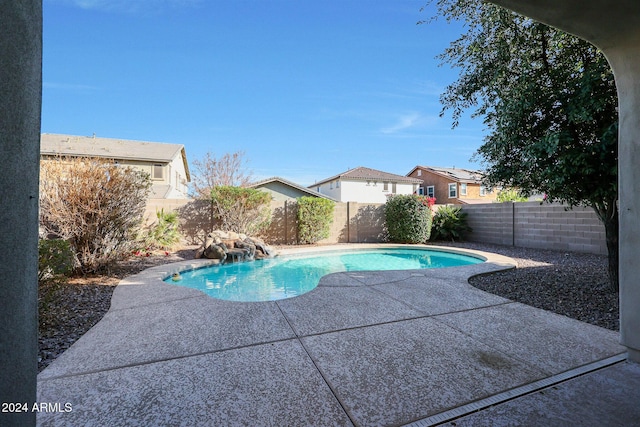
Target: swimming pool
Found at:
x=292, y=275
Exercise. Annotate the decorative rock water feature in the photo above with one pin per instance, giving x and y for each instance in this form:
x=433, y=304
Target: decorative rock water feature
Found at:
x=228, y=246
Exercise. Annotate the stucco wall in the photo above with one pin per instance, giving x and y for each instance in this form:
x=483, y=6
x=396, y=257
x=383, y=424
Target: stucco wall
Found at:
x=361, y=192
x=441, y=188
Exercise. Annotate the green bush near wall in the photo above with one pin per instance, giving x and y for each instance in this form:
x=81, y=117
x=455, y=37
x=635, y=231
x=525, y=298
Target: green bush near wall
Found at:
x=55, y=258
x=408, y=218
x=315, y=216
x=450, y=223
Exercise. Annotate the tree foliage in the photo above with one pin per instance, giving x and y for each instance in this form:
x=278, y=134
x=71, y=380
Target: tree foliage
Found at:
x=449, y=223
x=95, y=205
x=510, y=195
x=163, y=233
x=408, y=218
x=227, y=170
x=549, y=102
x=315, y=216
x=243, y=210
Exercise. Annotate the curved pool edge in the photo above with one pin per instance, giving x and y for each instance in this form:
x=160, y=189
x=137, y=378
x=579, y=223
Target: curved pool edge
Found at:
x=148, y=286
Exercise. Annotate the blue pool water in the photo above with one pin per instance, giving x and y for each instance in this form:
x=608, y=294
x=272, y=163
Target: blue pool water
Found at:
x=289, y=276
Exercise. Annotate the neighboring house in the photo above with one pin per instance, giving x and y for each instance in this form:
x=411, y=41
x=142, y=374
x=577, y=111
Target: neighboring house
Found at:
x=452, y=185
x=283, y=190
x=165, y=163
x=366, y=185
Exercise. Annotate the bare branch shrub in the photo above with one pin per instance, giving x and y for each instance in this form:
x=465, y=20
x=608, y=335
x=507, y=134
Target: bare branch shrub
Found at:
x=210, y=172
x=94, y=204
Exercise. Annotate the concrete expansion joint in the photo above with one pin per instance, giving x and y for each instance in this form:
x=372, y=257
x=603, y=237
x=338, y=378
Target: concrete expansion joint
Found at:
x=152, y=304
x=515, y=393
x=162, y=360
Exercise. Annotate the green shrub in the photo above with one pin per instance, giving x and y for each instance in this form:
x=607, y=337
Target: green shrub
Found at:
x=315, y=216
x=242, y=210
x=449, y=223
x=55, y=258
x=162, y=234
x=408, y=218
x=510, y=195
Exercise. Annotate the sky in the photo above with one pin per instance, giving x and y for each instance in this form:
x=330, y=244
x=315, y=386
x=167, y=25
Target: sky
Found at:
x=305, y=89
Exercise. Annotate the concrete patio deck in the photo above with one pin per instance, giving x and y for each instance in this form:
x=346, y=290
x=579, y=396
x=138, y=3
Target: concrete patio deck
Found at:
x=363, y=348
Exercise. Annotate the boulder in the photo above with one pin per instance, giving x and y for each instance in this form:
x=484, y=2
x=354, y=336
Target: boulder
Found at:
x=230, y=246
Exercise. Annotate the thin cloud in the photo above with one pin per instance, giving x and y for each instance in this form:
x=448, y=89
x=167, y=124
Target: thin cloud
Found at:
x=128, y=6
x=408, y=121
x=69, y=86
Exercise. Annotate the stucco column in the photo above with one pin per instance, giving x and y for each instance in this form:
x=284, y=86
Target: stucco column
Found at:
x=20, y=104
x=614, y=27
x=625, y=60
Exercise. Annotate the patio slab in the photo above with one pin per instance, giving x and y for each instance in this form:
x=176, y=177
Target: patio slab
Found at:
x=167, y=330
x=385, y=349
x=396, y=373
x=332, y=308
x=546, y=340
x=436, y=296
x=275, y=383
x=608, y=397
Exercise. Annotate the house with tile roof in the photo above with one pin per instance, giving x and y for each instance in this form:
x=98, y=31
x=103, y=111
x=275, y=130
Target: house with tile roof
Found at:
x=284, y=190
x=452, y=185
x=365, y=185
x=165, y=163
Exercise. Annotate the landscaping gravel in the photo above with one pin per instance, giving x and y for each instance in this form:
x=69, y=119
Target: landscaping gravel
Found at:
x=571, y=284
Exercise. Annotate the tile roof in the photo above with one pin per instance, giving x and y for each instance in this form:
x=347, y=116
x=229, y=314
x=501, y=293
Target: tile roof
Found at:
x=455, y=174
x=368, y=174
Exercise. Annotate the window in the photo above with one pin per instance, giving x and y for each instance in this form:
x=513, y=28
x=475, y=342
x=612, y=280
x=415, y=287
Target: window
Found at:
x=463, y=188
x=420, y=191
x=453, y=191
x=338, y=184
x=393, y=188
x=331, y=185
x=483, y=190
x=419, y=172
x=385, y=186
x=431, y=191
x=158, y=172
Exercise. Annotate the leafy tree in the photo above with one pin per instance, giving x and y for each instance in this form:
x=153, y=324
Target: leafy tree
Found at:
x=211, y=171
x=227, y=170
x=549, y=102
x=408, y=218
x=315, y=216
x=510, y=195
x=243, y=210
x=95, y=205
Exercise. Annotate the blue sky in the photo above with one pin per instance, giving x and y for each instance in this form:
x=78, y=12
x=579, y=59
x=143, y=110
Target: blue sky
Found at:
x=306, y=89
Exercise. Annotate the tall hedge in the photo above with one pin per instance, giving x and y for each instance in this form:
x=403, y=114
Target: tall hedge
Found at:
x=315, y=216
x=408, y=218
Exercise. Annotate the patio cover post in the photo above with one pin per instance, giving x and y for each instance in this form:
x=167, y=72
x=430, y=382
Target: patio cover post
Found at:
x=614, y=27
x=20, y=105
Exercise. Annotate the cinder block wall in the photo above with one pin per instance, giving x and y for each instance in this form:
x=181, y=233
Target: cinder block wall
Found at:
x=491, y=223
x=530, y=225
x=535, y=225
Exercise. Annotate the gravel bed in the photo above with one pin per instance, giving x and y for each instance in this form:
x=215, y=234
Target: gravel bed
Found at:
x=571, y=284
